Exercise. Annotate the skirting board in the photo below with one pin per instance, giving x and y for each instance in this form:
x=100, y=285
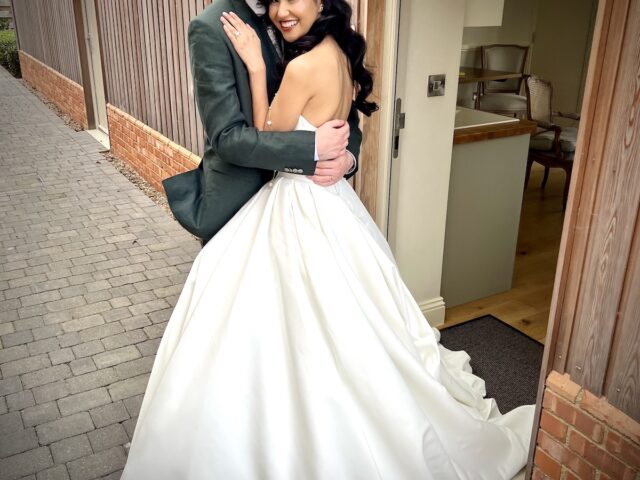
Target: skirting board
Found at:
x=433, y=310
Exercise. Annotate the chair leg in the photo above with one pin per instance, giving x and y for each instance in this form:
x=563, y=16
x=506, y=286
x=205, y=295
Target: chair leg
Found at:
x=545, y=177
x=528, y=172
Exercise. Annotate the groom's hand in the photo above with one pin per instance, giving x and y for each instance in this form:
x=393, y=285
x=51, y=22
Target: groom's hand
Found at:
x=329, y=172
x=332, y=139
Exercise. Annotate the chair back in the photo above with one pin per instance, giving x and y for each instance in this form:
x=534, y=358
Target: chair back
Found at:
x=539, y=93
x=507, y=58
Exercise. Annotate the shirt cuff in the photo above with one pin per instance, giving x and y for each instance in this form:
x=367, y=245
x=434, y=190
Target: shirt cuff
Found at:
x=316, y=157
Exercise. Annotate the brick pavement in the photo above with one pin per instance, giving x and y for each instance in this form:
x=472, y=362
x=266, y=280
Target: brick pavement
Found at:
x=90, y=269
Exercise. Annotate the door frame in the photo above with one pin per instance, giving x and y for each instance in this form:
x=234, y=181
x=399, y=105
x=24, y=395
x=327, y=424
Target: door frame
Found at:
x=90, y=88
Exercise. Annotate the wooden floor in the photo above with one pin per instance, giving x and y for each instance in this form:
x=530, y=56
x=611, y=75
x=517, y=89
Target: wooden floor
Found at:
x=526, y=305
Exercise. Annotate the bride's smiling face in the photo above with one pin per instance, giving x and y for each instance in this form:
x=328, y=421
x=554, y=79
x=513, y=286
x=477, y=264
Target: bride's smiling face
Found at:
x=294, y=18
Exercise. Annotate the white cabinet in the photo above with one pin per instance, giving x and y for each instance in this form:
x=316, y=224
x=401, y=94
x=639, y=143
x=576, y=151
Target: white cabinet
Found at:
x=483, y=13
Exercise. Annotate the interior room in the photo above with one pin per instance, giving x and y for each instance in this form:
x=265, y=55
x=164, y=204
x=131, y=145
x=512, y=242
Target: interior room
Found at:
x=500, y=256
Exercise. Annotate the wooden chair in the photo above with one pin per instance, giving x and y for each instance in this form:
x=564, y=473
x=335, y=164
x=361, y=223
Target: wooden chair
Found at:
x=551, y=146
x=503, y=96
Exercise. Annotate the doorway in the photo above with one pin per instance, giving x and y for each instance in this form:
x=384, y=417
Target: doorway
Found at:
x=91, y=66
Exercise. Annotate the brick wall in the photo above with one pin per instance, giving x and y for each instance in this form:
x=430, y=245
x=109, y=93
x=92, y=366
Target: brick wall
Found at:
x=66, y=94
x=148, y=152
x=582, y=436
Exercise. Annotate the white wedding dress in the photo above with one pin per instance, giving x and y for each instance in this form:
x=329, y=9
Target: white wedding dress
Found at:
x=296, y=352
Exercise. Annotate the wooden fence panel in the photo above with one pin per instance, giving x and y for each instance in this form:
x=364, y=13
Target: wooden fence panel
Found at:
x=47, y=32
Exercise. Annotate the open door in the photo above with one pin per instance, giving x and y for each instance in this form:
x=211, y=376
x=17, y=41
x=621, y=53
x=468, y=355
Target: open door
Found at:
x=91, y=66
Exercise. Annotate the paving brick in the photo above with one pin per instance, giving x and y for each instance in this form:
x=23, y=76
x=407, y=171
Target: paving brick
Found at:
x=64, y=355
x=82, y=365
x=71, y=448
x=82, y=323
x=52, y=318
x=51, y=391
x=150, y=347
x=26, y=463
x=16, y=338
x=20, y=400
x=10, y=385
x=3, y=406
x=101, y=331
x=38, y=414
x=47, y=375
x=97, y=465
x=13, y=353
x=89, y=381
x=69, y=339
x=130, y=426
x=133, y=405
x=123, y=339
x=129, y=387
x=116, y=314
x=114, y=357
x=107, y=437
x=133, y=323
x=135, y=367
x=28, y=323
x=6, y=328
x=65, y=304
x=84, y=401
x=43, y=346
x=155, y=331
x=59, y=472
x=108, y=414
x=87, y=349
x=38, y=298
x=64, y=427
x=25, y=365
x=10, y=422
x=18, y=442
x=46, y=332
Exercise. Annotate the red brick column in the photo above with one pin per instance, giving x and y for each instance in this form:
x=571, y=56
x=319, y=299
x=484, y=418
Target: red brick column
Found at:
x=148, y=152
x=582, y=436
x=66, y=94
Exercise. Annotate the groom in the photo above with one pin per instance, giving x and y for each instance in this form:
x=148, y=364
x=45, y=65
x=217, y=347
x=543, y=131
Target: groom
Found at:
x=238, y=159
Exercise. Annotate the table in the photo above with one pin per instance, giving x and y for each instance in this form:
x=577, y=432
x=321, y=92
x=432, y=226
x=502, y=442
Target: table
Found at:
x=479, y=75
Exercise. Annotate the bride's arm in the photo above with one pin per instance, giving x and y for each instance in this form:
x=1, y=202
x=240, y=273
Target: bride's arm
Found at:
x=295, y=89
x=247, y=44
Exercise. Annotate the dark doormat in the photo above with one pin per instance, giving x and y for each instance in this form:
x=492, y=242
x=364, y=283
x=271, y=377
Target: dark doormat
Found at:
x=505, y=358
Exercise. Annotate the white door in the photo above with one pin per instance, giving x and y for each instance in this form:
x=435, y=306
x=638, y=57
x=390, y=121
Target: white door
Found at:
x=429, y=42
x=95, y=66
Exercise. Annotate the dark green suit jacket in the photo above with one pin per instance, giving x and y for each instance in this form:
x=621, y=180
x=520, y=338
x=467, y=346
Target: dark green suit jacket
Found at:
x=238, y=159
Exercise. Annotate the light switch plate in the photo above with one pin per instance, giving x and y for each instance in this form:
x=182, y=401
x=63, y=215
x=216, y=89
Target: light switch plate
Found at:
x=436, y=85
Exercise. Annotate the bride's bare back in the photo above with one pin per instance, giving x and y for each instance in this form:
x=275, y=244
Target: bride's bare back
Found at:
x=316, y=85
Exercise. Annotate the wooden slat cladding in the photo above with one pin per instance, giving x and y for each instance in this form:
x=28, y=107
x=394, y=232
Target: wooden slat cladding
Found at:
x=47, y=32
x=146, y=63
x=594, y=334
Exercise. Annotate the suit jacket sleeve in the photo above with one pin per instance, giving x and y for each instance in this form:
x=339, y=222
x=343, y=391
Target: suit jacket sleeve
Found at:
x=355, y=138
x=227, y=128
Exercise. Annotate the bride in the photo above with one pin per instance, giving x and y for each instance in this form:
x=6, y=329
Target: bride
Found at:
x=295, y=350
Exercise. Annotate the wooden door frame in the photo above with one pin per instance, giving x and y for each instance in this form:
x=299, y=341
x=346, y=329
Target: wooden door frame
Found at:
x=597, y=106
x=381, y=25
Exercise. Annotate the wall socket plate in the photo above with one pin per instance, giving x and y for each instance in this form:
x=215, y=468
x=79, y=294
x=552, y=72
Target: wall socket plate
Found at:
x=436, y=85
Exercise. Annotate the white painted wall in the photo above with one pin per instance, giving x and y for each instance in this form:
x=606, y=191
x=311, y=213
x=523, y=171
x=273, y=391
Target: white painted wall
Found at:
x=561, y=50
x=518, y=25
x=430, y=41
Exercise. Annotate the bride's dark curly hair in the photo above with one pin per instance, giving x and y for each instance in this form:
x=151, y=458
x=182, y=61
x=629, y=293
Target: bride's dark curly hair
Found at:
x=335, y=20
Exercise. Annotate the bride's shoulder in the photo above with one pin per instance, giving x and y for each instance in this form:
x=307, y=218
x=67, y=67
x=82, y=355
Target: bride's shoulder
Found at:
x=316, y=61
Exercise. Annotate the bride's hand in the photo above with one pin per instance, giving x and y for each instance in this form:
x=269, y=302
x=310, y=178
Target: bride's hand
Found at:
x=245, y=40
